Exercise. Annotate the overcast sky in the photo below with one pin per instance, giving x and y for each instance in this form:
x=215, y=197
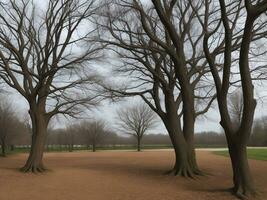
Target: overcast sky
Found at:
x=107, y=111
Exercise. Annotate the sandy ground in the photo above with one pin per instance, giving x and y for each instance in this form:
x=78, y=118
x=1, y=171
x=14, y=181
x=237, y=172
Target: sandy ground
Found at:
x=120, y=176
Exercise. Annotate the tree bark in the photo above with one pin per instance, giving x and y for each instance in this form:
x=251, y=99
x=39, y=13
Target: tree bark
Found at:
x=242, y=178
x=185, y=160
x=39, y=130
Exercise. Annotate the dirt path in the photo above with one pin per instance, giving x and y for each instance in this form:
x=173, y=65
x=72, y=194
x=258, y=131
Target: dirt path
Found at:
x=120, y=176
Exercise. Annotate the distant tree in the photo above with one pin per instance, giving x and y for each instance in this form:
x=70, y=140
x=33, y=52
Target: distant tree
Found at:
x=236, y=107
x=94, y=132
x=8, y=124
x=136, y=121
x=70, y=134
x=259, y=133
x=210, y=139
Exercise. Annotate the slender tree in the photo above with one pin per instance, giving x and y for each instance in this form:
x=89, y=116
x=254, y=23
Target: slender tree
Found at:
x=136, y=121
x=43, y=54
x=8, y=123
x=70, y=135
x=226, y=31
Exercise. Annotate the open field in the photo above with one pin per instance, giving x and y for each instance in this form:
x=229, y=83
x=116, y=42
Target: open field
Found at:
x=116, y=175
x=62, y=148
x=257, y=154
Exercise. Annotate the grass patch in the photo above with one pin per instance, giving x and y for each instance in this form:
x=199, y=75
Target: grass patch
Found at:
x=256, y=154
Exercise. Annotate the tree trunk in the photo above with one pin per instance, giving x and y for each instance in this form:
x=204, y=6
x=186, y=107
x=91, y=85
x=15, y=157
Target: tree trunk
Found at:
x=94, y=147
x=39, y=131
x=138, y=144
x=70, y=147
x=12, y=147
x=185, y=161
x=3, y=148
x=189, y=138
x=242, y=178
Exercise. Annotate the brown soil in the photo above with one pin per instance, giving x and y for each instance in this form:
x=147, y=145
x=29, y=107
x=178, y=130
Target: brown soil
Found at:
x=120, y=176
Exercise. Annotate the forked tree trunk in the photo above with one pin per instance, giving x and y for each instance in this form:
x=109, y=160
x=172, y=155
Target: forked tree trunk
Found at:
x=185, y=160
x=39, y=130
x=242, y=178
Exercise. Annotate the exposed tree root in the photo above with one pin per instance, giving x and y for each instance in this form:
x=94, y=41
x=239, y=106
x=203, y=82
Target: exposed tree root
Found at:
x=243, y=193
x=185, y=172
x=33, y=169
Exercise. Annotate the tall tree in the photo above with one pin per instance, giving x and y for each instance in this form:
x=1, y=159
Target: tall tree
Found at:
x=136, y=121
x=224, y=30
x=137, y=35
x=43, y=54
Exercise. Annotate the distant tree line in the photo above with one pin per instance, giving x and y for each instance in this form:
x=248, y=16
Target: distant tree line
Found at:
x=93, y=134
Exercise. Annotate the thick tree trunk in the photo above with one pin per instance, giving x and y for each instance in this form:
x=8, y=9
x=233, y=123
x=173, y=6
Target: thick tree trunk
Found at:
x=185, y=160
x=242, y=178
x=39, y=131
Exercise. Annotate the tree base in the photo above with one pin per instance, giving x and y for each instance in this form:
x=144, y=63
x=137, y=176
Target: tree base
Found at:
x=185, y=172
x=33, y=169
x=243, y=193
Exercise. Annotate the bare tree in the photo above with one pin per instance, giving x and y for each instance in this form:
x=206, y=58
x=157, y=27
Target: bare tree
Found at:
x=94, y=132
x=169, y=78
x=223, y=29
x=7, y=124
x=43, y=55
x=136, y=121
x=236, y=107
x=70, y=134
